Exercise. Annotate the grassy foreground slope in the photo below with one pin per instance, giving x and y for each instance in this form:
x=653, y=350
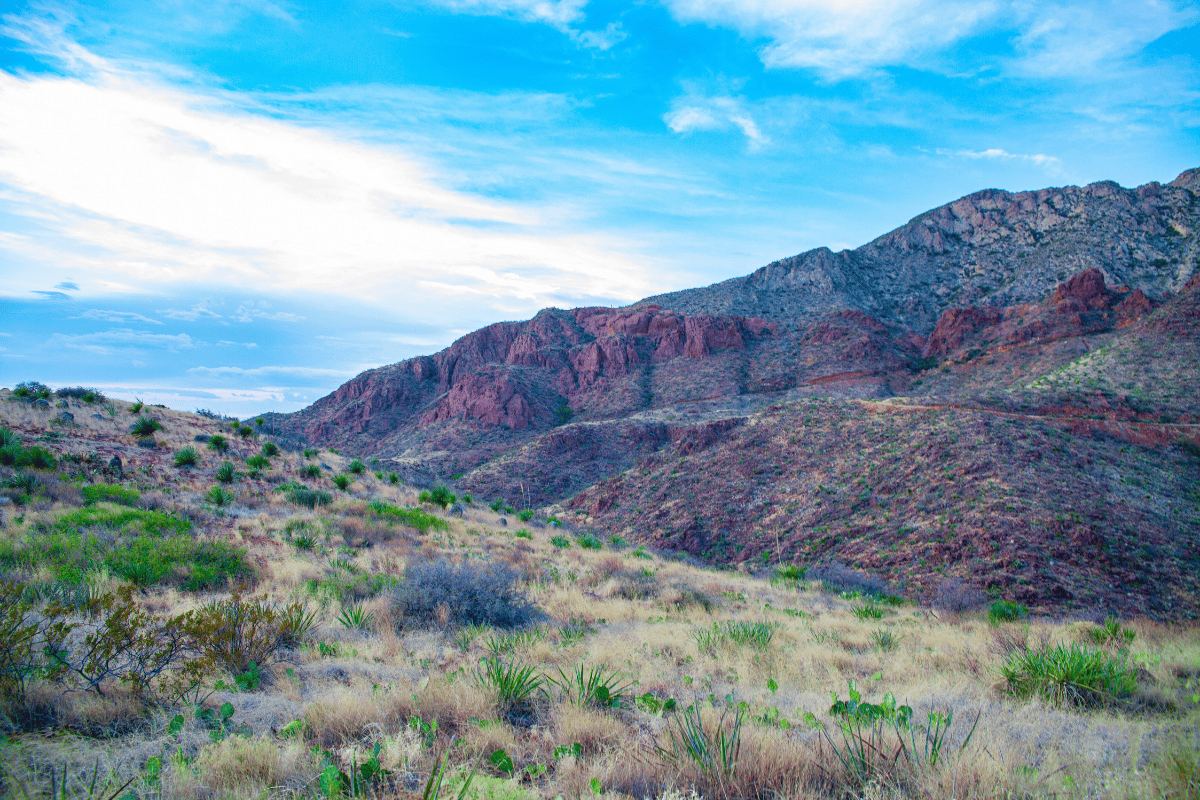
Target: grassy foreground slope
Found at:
x=269, y=634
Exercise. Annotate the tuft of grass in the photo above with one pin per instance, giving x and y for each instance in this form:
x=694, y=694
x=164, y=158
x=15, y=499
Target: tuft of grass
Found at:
x=309, y=498
x=342, y=481
x=885, y=639
x=439, y=496
x=310, y=471
x=1068, y=674
x=757, y=635
x=311, y=453
x=186, y=457
x=505, y=643
x=270, y=449
x=589, y=542
x=560, y=541
x=867, y=611
x=356, y=467
x=218, y=443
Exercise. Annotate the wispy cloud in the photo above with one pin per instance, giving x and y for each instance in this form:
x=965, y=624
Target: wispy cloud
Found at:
x=259, y=372
x=204, y=186
x=559, y=13
x=68, y=286
x=198, y=311
x=1052, y=163
x=701, y=110
x=52, y=295
x=105, y=342
x=250, y=311
x=117, y=316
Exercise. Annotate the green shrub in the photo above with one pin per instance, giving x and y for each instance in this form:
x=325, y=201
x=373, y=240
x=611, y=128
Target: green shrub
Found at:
x=393, y=478
x=1006, y=611
x=790, y=573
x=258, y=462
x=218, y=443
x=32, y=390
x=1111, y=632
x=496, y=505
x=310, y=471
x=38, y=458
x=523, y=533
x=560, y=541
x=356, y=467
x=187, y=457
x=237, y=633
x=27, y=483
x=438, y=496
x=270, y=449
x=589, y=542
x=137, y=407
x=109, y=493
x=412, y=517
x=1068, y=674
x=525, y=515
x=245, y=431
x=8, y=438
x=867, y=611
x=342, y=481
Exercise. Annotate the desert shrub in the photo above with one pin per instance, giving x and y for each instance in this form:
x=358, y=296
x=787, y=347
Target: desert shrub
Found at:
x=186, y=457
x=245, y=431
x=393, y=478
x=310, y=471
x=225, y=473
x=589, y=542
x=39, y=458
x=192, y=565
x=109, y=493
x=560, y=541
x=439, y=593
x=955, y=597
x=309, y=498
x=496, y=505
x=311, y=453
x=27, y=483
x=32, y=390
x=412, y=517
x=137, y=407
x=837, y=577
x=342, y=481
x=438, y=496
x=218, y=443
x=145, y=426
x=1068, y=674
x=270, y=449
x=81, y=393
x=20, y=637
x=789, y=574
x=238, y=632
x=258, y=462
x=1112, y=633
x=525, y=514
x=8, y=438
x=1006, y=611
x=356, y=467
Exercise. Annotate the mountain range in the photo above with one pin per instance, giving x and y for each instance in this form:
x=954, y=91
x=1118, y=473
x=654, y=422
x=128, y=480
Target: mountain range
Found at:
x=1003, y=391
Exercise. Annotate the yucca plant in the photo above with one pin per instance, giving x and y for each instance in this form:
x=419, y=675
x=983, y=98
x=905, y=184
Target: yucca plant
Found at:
x=713, y=748
x=356, y=467
x=592, y=686
x=187, y=457
x=270, y=449
x=304, y=543
x=867, y=611
x=1068, y=674
x=515, y=681
x=310, y=471
x=356, y=618
x=342, y=481
x=145, y=426
x=218, y=443
x=218, y=496
x=226, y=473
x=258, y=462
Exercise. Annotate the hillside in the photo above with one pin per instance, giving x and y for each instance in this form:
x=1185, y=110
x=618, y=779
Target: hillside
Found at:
x=190, y=613
x=961, y=344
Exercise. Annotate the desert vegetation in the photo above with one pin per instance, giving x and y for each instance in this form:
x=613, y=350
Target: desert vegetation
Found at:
x=199, y=631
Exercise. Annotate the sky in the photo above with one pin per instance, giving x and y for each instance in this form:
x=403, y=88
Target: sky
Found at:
x=238, y=205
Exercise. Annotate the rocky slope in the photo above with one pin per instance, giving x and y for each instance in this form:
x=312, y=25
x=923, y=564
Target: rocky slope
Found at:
x=1034, y=355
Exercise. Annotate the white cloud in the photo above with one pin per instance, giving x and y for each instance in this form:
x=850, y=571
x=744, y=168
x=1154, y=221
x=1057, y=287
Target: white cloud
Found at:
x=601, y=40
x=1051, y=163
x=258, y=372
x=696, y=110
x=559, y=13
x=103, y=343
x=116, y=316
x=198, y=311
x=173, y=187
x=847, y=38
x=250, y=311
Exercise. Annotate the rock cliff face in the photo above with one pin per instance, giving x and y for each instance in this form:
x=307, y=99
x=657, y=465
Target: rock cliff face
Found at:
x=991, y=248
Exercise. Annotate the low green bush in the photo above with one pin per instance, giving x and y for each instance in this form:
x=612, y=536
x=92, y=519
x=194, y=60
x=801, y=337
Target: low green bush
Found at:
x=109, y=493
x=270, y=449
x=219, y=497
x=342, y=481
x=560, y=541
x=258, y=462
x=187, y=457
x=226, y=473
x=438, y=496
x=356, y=467
x=218, y=443
x=589, y=542
x=145, y=426
x=412, y=517
x=525, y=515
x=310, y=471
x=32, y=390
x=309, y=498
x=1006, y=611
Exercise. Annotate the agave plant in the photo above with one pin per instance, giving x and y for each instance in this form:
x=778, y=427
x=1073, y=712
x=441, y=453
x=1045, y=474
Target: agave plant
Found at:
x=357, y=618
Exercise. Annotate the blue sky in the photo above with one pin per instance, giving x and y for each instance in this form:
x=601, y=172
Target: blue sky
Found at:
x=239, y=205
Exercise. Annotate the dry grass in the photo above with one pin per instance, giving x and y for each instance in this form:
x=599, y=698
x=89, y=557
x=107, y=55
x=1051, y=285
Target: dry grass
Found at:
x=637, y=616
